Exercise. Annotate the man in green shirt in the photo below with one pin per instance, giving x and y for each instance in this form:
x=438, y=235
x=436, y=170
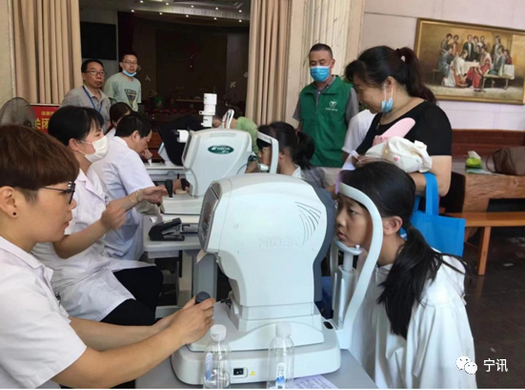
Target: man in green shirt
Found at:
x=324, y=110
x=124, y=87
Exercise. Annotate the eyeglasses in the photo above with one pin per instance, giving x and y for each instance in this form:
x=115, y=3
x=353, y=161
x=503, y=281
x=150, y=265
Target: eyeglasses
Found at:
x=129, y=63
x=95, y=73
x=70, y=190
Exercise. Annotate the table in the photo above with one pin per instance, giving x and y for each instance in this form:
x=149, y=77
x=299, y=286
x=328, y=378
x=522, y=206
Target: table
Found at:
x=203, y=271
x=350, y=376
x=471, y=192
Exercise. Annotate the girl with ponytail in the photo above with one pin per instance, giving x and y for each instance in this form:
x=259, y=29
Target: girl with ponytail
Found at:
x=389, y=83
x=413, y=325
x=296, y=148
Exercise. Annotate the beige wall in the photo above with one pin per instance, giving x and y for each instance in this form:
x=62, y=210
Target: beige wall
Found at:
x=7, y=81
x=393, y=23
x=334, y=22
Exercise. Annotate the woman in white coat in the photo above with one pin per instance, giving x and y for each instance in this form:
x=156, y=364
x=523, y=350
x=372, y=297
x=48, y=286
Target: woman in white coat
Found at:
x=40, y=343
x=90, y=284
x=413, y=325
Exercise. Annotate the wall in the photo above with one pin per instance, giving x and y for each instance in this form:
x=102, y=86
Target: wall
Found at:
x=101, y=15
x=393, y=23
x=164, y=50
x=7, y=76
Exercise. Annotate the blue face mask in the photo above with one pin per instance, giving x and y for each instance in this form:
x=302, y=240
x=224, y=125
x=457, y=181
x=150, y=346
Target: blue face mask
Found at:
x=128, y=74
x=320, y=73
x=386, y=105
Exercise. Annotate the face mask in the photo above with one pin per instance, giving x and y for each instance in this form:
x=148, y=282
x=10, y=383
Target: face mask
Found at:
x=101, y=147
x=386, y=105
x=128, y=74
x=320, y=73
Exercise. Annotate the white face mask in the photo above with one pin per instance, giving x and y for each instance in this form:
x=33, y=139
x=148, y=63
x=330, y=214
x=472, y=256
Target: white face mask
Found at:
x=101, y=147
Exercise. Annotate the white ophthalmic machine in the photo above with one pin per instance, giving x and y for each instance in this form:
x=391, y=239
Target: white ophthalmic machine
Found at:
x=212, y=155
x=268, y=234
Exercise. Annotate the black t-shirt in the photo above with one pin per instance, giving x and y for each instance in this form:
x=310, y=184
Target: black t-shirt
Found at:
x=432, y=128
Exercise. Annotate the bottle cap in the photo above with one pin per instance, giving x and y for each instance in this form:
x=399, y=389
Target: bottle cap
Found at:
x=283, y=329
x=218, y=332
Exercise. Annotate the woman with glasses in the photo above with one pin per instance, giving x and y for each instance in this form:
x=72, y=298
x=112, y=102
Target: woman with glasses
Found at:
x=41, y=344
x=91, y=284
x=90, y=94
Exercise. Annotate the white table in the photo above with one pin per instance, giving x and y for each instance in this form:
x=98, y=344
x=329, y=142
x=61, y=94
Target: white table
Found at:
x=161, y=172
x=203, y=273
x=350, y=376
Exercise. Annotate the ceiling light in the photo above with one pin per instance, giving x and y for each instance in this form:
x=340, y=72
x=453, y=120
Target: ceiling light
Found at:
x=214, y=18
x=132, y=10
x=192, y=6
x=187, y=16
x=240, y=21
x=240, y=11
x=167, y=3
x=141, y=1
x=160, y=13
x=216, y=8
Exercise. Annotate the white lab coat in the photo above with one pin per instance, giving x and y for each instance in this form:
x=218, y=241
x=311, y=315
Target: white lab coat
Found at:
x=123, y=172
x=86, y=283
x=438, y=333
x=36, y=340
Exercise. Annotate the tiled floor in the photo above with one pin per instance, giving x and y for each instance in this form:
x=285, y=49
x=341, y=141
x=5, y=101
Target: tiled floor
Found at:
x=496, y=309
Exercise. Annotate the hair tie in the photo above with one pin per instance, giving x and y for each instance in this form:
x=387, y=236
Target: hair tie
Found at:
x=400, y=55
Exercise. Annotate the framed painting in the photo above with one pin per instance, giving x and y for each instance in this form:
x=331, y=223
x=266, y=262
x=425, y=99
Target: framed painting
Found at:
x=470, y=62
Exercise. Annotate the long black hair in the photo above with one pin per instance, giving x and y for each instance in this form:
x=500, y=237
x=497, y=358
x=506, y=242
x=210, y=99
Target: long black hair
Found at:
x=393, y=192
x=299, y=144
x=117, y=111
x=376, y=64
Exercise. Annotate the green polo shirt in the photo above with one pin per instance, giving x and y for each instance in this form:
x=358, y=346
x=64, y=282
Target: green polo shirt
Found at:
x=324, y=119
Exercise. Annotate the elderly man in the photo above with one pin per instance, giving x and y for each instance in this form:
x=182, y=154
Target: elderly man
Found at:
x=90, y=93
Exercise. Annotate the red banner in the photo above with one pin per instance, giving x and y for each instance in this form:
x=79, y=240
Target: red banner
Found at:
x=43, y=113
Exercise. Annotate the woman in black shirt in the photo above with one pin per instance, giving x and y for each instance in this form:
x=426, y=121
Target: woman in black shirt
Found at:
x=389, y=83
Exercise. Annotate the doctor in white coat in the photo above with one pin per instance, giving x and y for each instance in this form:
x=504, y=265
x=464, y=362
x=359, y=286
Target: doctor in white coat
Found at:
x=91, y=284
x=412, y=326
x=123, y=173
x=41, y=345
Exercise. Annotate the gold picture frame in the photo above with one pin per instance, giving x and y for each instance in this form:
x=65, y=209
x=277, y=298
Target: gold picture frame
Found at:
x=470, y=62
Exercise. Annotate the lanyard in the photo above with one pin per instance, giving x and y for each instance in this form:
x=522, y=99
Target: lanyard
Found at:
x=91, y=100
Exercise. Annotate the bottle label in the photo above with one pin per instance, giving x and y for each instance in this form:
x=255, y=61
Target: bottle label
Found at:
x=280, y=376
x=208, y=359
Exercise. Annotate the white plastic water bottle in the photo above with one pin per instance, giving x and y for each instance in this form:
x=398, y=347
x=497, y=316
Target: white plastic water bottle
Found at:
x=217, y=370
x=281, y=356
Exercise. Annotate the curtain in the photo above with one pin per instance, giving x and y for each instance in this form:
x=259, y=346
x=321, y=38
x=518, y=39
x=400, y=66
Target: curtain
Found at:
x=47, y=49
x=268, y=58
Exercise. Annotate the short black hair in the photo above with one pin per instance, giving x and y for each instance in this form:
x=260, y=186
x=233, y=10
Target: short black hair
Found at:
x=134, y=121
x=73, y=122
x=127, y=53
x=322, y=47
x=85, y=64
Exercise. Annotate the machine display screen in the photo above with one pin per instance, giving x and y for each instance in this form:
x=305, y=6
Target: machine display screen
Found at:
x=211, y=199
x=186, y=149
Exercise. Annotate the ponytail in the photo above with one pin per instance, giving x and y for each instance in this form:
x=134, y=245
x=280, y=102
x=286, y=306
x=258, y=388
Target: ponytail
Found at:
x=376, y=64
x=304, y=151
x=414, y=83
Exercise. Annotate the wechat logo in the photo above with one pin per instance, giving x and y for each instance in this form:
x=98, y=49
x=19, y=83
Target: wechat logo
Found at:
x=464, y=363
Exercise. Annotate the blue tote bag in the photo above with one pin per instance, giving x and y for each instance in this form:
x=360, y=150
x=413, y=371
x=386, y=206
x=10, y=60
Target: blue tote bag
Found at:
x=445, y=234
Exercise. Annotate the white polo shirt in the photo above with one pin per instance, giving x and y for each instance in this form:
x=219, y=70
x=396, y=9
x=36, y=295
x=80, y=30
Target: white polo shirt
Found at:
x=36, y=340
x=86, y=283
x=123, y=172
